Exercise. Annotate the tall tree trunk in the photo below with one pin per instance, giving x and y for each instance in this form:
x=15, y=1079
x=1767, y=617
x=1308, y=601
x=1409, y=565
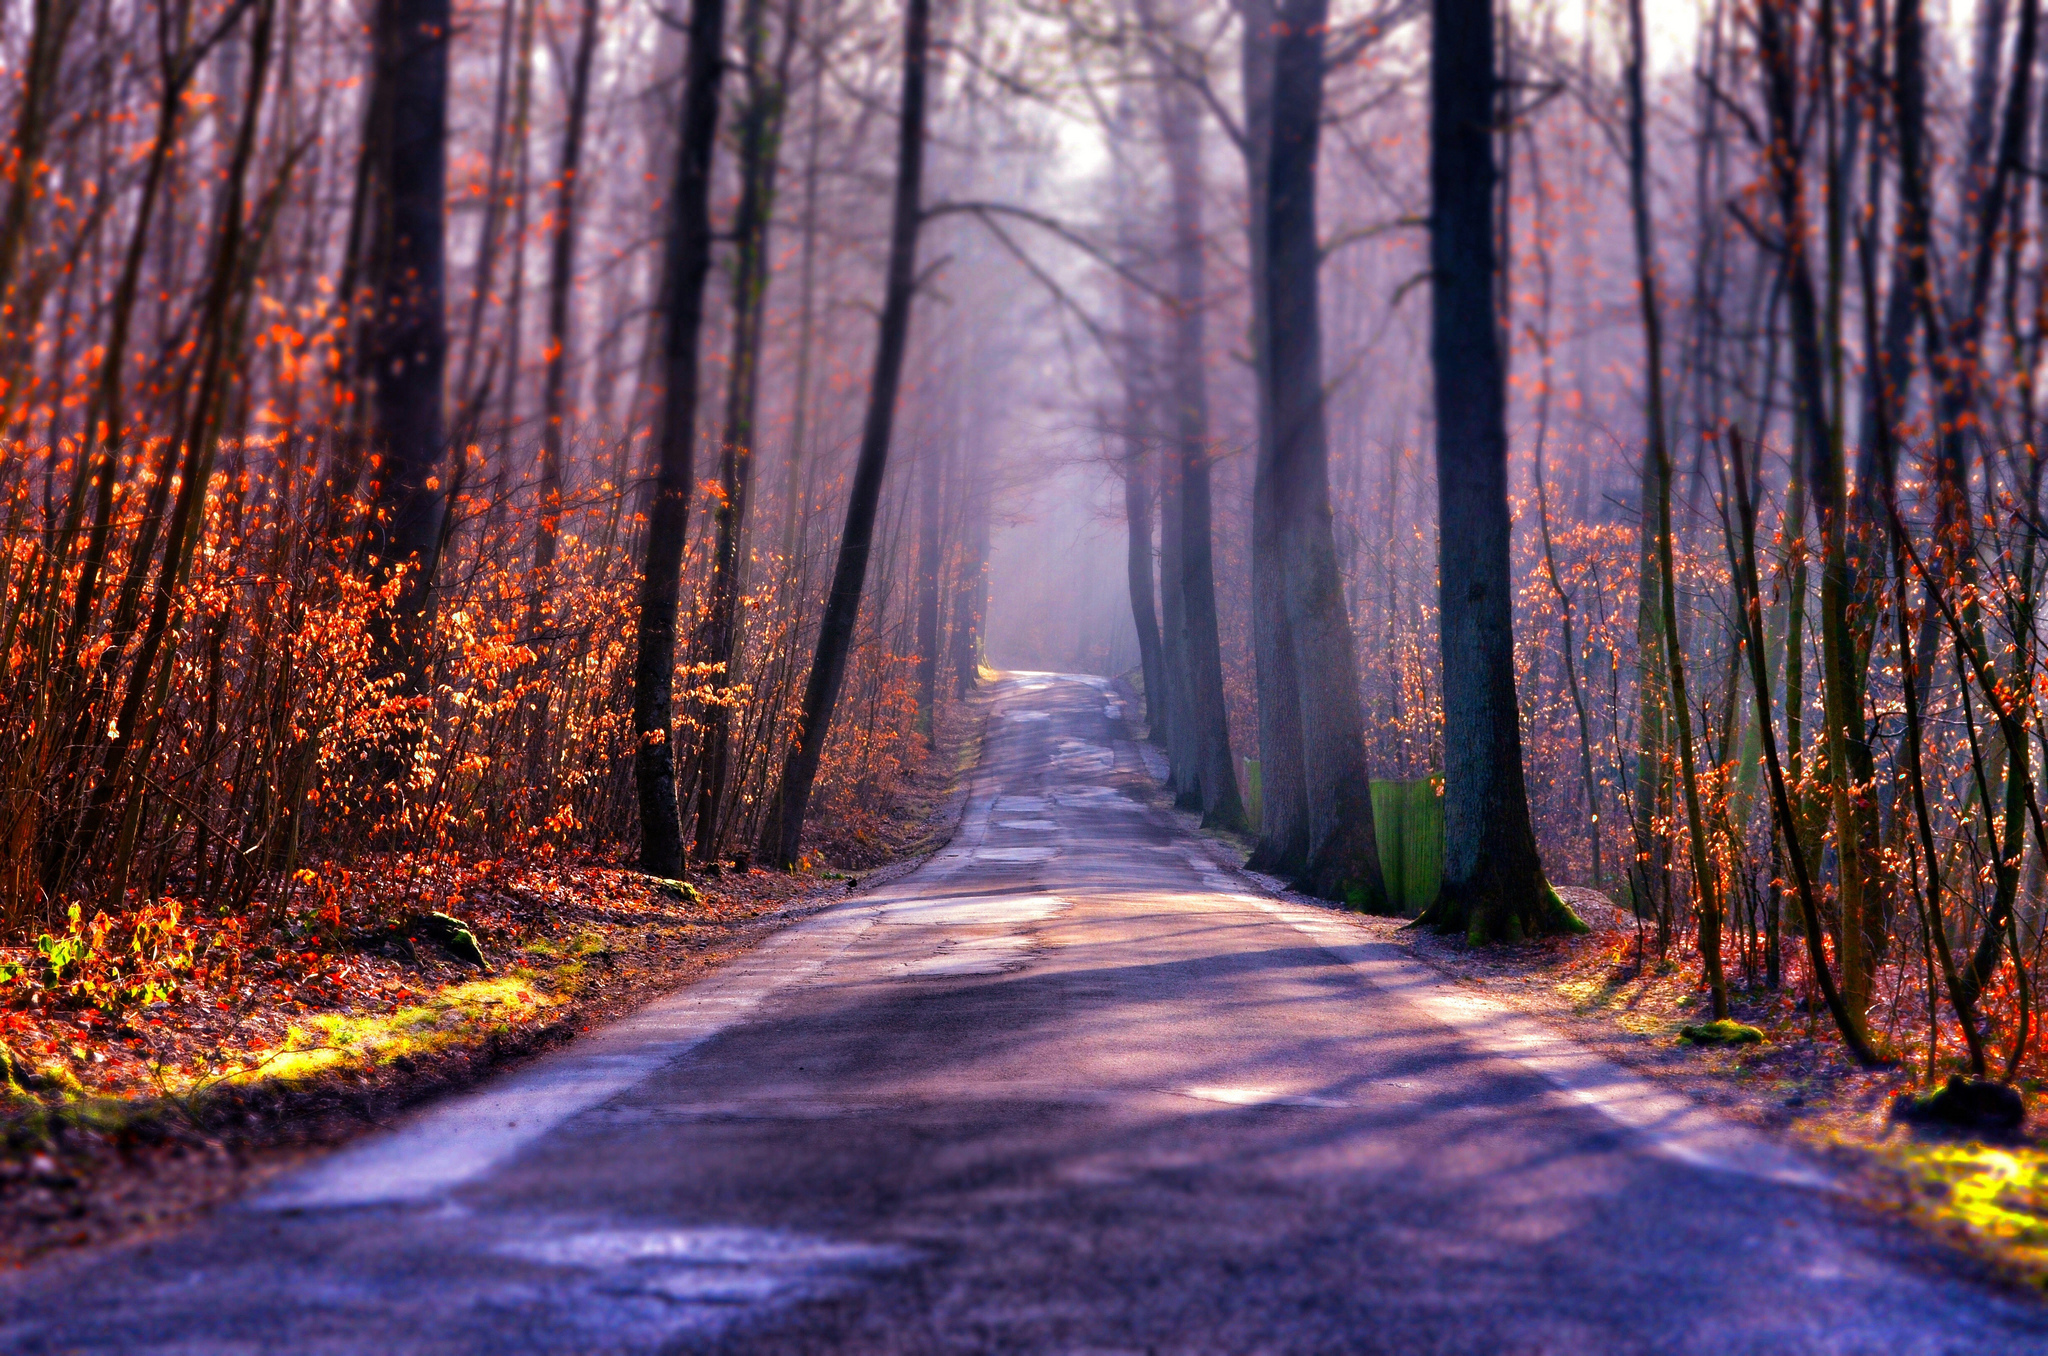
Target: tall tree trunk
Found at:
x=929, y=483
x=1343, y=852
x=1821, y=438
x=970, y=590
x=1138, y=578
x=687, y=261
x=760, y=133
x=794, y=507
x=1493, y=885
x=50, y=28
x=1706, y=883
x=408, y=340
x=561, y=286
x=1211, y=778
x=471, y=390
x=1173, y=633
x=782, y=834
x=1284, y=822
x=1139, y=374
x=1741, y=541
x=555, y=380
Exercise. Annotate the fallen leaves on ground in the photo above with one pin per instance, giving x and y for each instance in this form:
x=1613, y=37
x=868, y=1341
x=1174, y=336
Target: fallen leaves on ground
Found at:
x=115, y=1120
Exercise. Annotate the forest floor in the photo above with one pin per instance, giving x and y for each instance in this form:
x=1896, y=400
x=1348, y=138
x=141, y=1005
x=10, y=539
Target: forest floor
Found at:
x=126, y=1108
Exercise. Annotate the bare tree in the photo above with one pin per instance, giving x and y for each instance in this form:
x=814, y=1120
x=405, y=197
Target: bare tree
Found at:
x=782, y=834
x=687, y=261
x=407, y=349
x=1343, y=860
x=1493, y=884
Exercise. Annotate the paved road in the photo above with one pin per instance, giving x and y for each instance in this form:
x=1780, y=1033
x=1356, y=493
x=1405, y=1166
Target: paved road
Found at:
x=1070, y=1087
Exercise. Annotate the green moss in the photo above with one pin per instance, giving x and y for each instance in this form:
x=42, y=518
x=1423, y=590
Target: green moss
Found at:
x=451, y=1016
x=452, y=935
x=1721, y=1032
x=1558, y=916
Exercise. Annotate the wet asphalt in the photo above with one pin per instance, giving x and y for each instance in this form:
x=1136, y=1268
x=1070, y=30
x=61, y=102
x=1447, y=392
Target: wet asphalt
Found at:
x=1072, y=1086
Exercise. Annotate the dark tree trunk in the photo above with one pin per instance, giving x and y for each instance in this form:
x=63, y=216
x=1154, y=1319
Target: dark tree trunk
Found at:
x=970, y=591
x=782, y=835
x=1139, y=378
x=1138, y=573
x=1173, y=635
x=688, y=259
x=1343, y=853
x=1283, y=828
x=796, y=506
x=1209, y=779
x=1493, y=885
x=50, y=29
x=555, y=380
x=408, y=335
x=928, y=488
x=561, y=285
x=1821, y=438
x=760, y=128
x=1705, y=882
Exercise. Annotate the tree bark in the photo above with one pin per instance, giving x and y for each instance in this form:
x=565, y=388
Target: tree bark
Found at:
x=1706, y=883
x=970, y=590
x=760, y=131
x=1181, y=757
x=408, y=334
x=1343, y=853
x=1283, y=842
x=555, y=380
x=1493, y=885
x=928, y=487
x=1821, y=437
x=1138, y=575
x=688, y=259
x=782, y=834
x=1209, y=776
x=1138, y=421
x=561, y=286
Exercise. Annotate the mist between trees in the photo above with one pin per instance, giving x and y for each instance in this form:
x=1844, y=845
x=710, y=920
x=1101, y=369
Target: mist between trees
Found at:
x=446, y=432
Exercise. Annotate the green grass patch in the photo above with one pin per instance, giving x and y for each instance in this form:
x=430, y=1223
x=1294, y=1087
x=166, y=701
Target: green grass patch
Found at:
x=453, y=1015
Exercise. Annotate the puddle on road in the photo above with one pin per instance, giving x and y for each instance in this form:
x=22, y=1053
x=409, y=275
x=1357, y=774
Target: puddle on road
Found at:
x=1259, y=1097
x=1030, y=715
x=972, y=956
x=1093, y=798
x=1015, y=854
x=971, y=911
x=766, y=1249
x=1033, y=825
x=1079, y=753
x=709, y=1277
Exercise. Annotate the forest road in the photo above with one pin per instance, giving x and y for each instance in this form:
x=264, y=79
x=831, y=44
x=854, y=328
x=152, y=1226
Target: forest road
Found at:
x=1072, y=1086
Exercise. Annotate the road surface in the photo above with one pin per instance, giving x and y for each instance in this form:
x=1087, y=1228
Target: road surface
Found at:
x=1073, y=1086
